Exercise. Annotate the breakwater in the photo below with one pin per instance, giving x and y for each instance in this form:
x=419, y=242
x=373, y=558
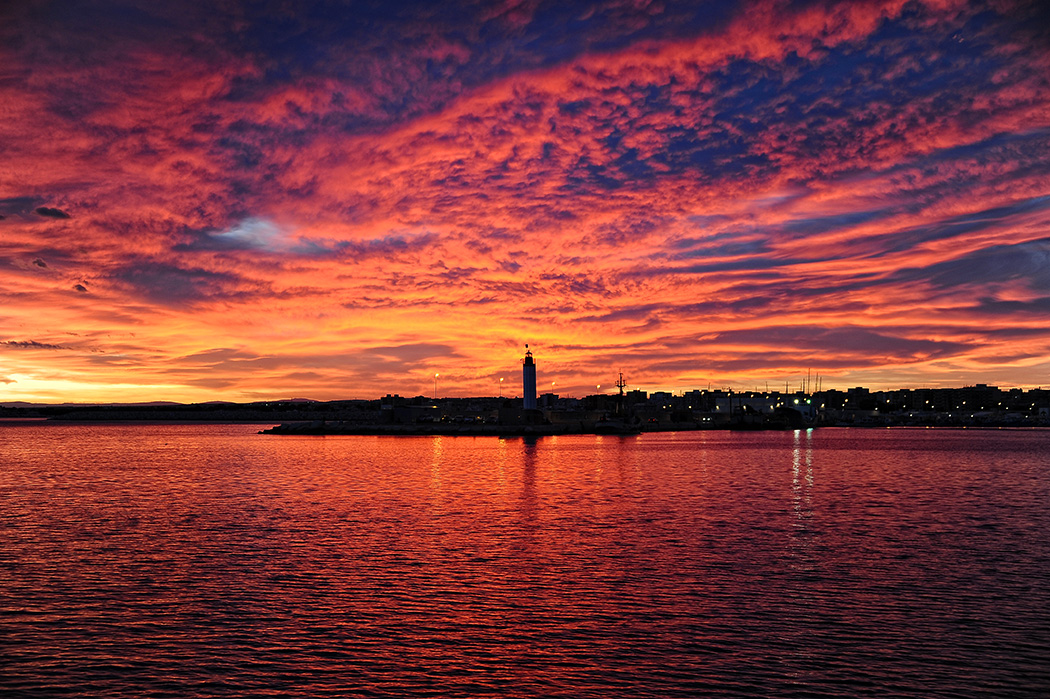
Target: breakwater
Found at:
x=475, y=430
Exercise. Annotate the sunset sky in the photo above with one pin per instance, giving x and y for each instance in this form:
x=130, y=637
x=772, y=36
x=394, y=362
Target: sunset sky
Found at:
x=259, y=200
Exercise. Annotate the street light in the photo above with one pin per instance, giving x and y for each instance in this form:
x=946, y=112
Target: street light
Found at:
x=435, y=386
x=501, y=387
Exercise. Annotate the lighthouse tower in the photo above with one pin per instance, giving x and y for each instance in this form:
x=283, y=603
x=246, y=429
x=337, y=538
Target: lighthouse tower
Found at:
x=528, y=381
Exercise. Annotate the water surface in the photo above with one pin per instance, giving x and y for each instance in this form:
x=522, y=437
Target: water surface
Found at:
x=188, y=560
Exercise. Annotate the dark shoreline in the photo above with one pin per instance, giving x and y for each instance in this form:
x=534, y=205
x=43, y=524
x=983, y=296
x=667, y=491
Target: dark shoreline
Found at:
x=442, y=430
x=454, y=430
x=308, y=428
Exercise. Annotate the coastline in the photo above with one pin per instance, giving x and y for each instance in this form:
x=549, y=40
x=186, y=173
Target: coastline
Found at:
x=320, y=428
x=451, y=430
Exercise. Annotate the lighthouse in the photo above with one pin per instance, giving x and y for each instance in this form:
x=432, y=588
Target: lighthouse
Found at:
x=528, y=381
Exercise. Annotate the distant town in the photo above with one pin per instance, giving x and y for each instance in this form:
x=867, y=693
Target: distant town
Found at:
x=974, y=406
x=623, y=412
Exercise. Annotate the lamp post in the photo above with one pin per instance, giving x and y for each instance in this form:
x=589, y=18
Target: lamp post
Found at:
x=435, y=386
x=501, y=387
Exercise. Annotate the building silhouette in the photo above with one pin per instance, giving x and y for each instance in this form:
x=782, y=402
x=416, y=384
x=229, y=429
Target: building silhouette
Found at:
x=528, y=381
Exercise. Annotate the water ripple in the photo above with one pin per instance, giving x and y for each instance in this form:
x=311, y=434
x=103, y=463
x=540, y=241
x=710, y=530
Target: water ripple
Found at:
x=199, y=561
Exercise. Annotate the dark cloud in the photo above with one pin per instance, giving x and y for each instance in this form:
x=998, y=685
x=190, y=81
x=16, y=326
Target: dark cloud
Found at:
x=31, y=344
x=571, y=285
x=172, y=285
x=49, y=212
x=1009, y=333
x=387, y=246
x=80, y=287
x=722, y=245
x=845, y=110
x=18, y=205
x=824, y=224
x=954, y=227
x=1035, y=308
x=40, y=263
x=742, y=264
x=415, y=57
x=222, y=355
x=848, y=339
x=744, y=361
x=639, y=313
x=1027, y=263
x=413, y=352
x=311, y=376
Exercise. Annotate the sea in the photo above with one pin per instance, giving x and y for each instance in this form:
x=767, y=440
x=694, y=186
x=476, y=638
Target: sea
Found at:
x=178, y=560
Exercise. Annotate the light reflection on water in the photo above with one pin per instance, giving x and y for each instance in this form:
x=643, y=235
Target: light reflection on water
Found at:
x=186, y=560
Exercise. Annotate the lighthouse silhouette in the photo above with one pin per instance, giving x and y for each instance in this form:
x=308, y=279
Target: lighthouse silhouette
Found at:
x=528, y=381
